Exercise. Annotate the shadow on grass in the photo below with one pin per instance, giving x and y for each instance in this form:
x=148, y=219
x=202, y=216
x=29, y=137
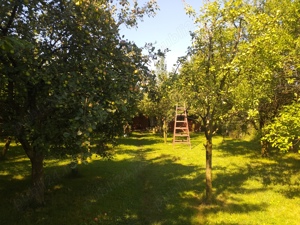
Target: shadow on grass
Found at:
x=146, y=192
x=284, y=172
x=279, y=173
x=159, y=191
x=14, y=170
x=281, y=170
x=240, y=147
x=132, y=193
x=135, y=191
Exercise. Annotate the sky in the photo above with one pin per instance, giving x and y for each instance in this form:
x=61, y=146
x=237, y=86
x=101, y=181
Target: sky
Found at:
x=170, y=28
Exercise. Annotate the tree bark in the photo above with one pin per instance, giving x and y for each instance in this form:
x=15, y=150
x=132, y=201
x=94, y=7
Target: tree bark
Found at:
x=208, y=175
x=264, y=149
x=5, y=148
x=208, y=130
x=165, y=130
x=36, y=157
x=37, y=174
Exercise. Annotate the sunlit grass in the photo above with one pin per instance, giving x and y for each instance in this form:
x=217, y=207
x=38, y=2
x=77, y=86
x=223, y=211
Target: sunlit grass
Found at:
x=18, y=177
x=4, y=173
x=149, y=182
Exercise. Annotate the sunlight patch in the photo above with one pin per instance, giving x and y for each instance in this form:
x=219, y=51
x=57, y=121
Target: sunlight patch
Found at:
x=188, y=194
x=130, y=216
x=18, y=177
x=123, y=156
x=57, y=187
x=4, y=173
x=157, y=223
x=170, y=206
x=63, y=163
x=20, y=159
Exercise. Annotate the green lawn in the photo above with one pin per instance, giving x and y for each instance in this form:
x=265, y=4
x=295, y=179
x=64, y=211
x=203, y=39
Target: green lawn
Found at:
x=152, y=183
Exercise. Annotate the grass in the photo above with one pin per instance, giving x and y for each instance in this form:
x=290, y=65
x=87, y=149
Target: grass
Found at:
x=152, y=183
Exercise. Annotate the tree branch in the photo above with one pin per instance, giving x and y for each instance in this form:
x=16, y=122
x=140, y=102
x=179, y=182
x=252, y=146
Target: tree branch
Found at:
x=10, y=20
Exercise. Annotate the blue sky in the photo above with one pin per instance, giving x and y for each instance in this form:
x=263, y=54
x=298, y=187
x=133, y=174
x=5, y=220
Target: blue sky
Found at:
x=169, y=29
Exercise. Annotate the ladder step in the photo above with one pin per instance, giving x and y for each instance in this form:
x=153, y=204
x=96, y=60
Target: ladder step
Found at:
x=181, y=139
x=182, y=142
x=181, y=127
x=178, y=140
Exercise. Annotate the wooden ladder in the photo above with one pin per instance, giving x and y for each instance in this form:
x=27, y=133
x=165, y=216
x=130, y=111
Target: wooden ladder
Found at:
x=181, y=127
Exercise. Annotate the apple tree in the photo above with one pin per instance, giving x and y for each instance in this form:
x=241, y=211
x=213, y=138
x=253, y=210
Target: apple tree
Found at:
x=208, y=75
x=67, y=74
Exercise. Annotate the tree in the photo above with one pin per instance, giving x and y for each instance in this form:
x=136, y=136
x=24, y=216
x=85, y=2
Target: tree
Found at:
x=159, y=101
x=207, y=78
x=242, y=56
x=268, y=62
x=284, y=131
x=67, y=74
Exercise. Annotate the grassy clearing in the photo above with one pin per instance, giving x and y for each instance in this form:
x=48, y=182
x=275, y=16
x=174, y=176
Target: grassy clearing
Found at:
x=149, y=182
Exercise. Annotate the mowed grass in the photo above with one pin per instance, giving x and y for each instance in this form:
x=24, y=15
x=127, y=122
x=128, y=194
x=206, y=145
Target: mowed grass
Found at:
x=152, y=183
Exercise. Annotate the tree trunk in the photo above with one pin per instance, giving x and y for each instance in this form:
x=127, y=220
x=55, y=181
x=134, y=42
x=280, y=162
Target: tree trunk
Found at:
x=208, y=131
x=37, y=174
x=5, y=148
x=208, y=148
x=264, y=149
x=165, y=130
x=36, y=157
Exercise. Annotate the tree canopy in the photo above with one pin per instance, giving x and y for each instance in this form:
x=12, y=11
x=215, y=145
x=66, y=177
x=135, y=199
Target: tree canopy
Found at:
x=243, y=62
x=67, y=73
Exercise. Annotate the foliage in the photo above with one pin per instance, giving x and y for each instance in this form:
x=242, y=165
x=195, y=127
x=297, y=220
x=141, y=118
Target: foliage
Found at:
x=66, y=74
x=208, y=77
x=243, y=62
x=70, y=72
x=268, y=60
x=253, y=62
x=285, y=129
x=159, y=101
